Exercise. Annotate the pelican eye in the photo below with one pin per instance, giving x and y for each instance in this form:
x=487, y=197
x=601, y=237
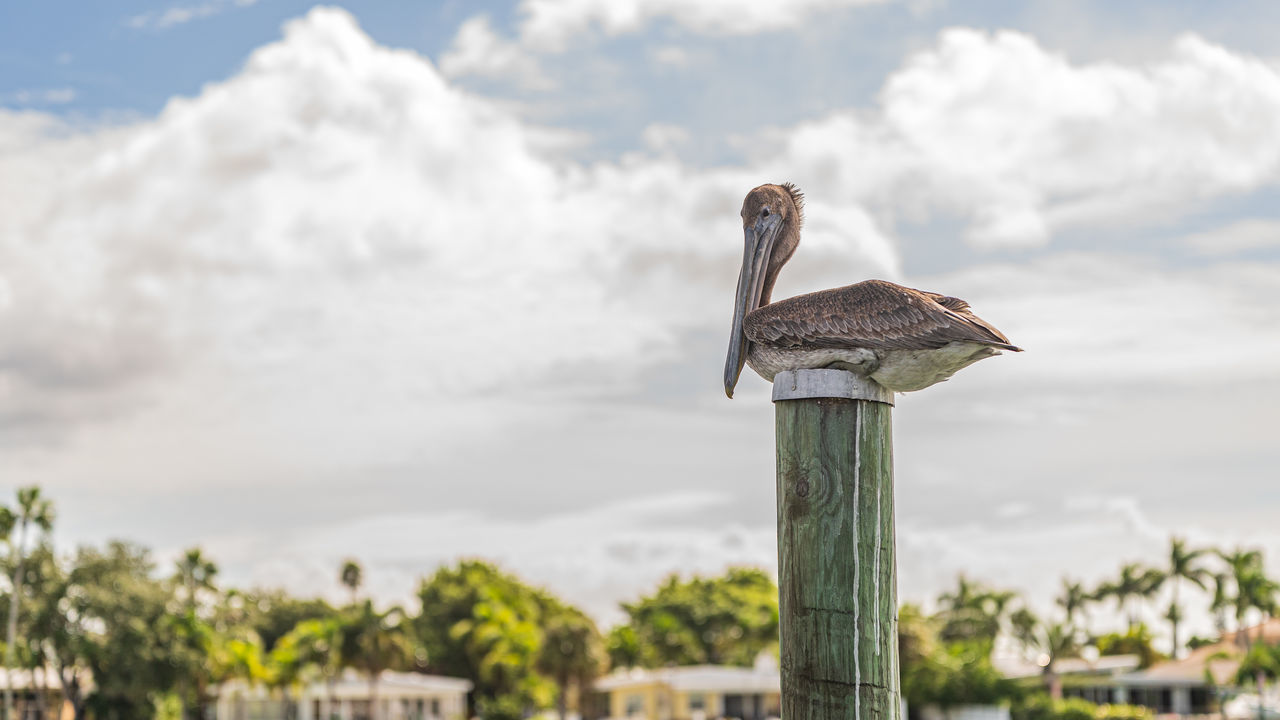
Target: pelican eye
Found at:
x=764, y=212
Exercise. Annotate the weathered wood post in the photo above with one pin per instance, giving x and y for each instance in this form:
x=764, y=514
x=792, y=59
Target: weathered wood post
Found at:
x=837, y=575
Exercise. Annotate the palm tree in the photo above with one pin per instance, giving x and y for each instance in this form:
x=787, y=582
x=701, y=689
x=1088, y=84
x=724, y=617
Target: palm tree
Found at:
x=351, y=575
x=375, y=642
x=195, y=648
x=973, y=612
x=966, y=594
x=1254, y=590
x=1132, y=583
x=195, y=572
x=1174, y=615
x=1181, y=567
x=317, y=643
x=32, y=510
x=1053, y=642
x=1260, y=663
x=572, y=652
x=1244, y=566
x=1221, y=601
x=1023, y=623
x=1073, y=599
x=1149, y=583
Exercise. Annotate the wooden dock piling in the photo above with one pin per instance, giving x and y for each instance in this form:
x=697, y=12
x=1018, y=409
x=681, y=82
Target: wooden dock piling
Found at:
x=837, y=574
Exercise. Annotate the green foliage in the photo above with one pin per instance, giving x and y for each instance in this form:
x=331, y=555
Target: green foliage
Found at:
x=1134, y=583
x=1195, y=642
x=917, y=636
x=943, y=672
x=1050, y=640
x=1253, y=588
x=572, y=650
x=33, y=510
x=485, y=625
x=1136, y=640
x=623, y=647
x=351, y=575
x=1041, y=707
x=194, y=573
x=115, y=625
x=166, y=706
x=1261, y=660
x=1123, y=712
x=314, y=644
x=510, y=706
x=953, y=674
x=973, y=613
x=1182, y=566
x=1074, y=709
x=1073, y=600
x=374, y=641
x=156, y=646
x=272, y=614
x=727, y=620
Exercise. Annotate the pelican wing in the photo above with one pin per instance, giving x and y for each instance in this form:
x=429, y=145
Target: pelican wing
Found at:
x=873, y=314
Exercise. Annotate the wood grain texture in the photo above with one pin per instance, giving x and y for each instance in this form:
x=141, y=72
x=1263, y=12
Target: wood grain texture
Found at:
x=837, y=577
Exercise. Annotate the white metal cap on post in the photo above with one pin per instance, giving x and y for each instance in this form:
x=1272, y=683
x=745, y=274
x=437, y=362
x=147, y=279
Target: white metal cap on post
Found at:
x=827, y=383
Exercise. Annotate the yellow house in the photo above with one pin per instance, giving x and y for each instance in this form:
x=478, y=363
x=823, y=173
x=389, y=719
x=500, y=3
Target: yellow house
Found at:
x=697, y=692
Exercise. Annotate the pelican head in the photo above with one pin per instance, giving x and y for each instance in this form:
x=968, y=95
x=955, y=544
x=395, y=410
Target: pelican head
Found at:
x=771, y=219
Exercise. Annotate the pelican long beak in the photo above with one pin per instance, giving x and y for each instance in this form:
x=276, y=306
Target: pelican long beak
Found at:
x=757, y=247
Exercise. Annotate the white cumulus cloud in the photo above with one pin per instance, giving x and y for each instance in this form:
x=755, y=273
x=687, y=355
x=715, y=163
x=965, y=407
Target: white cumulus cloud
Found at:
x=182, y=14
x=338, y=211
x=1019, y=143
x=339, y=282
x=478, y=50
x=550, y=24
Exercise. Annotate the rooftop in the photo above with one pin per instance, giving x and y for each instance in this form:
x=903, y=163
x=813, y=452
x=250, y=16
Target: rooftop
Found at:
x=355, y=684
x=1103, y=665
x=697, y=678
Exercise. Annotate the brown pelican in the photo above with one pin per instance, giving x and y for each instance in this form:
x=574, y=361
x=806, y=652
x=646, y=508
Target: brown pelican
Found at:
x=903, y=339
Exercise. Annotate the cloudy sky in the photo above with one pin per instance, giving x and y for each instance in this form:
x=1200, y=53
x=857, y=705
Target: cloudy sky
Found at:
x=417, y=281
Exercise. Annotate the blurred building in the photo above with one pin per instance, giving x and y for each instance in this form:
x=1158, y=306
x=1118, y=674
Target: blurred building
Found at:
x=697, y=692
x=1197, y=684
x=1193, y=685
x=37, y=694
x=1090, y=678
x=399, y=696
x=1174, y=687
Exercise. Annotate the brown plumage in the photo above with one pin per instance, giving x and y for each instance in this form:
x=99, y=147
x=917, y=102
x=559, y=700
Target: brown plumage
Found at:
x=873, y=314
x=904, y=339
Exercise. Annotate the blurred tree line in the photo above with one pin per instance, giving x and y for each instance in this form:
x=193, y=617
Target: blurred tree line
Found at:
x=123, y=638
x=154, y=641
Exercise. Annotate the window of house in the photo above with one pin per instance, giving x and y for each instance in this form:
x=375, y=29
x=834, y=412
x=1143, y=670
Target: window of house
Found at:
x=635, y=704
x=697, y=701
x=1200, y=700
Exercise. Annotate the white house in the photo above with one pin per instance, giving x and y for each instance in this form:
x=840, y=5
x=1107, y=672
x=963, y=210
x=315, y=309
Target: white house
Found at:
x=400, y=696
